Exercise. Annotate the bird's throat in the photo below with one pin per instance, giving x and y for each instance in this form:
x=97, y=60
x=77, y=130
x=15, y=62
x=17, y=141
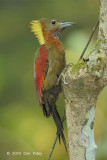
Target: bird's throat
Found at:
x=54, y=41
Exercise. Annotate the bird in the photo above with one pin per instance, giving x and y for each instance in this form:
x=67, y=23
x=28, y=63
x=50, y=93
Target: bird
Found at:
x=49, y=62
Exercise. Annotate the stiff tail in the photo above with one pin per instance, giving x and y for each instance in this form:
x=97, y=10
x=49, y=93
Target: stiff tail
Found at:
x=58, y=123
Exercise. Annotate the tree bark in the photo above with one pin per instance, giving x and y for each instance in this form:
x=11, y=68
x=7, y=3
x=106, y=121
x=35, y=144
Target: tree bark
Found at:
x=85, y=80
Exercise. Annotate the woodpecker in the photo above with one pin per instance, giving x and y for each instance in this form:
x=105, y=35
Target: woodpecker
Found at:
x=49, y=62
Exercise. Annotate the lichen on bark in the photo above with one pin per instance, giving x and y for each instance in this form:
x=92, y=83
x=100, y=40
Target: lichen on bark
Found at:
x=85, y=80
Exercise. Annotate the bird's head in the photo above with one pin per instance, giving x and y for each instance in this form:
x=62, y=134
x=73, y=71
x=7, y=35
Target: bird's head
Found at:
x=46, y=28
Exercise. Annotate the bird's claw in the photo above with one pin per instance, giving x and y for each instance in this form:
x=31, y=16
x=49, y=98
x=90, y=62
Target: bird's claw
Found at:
x=63, y=75
x=69, y=64
x=64, y=78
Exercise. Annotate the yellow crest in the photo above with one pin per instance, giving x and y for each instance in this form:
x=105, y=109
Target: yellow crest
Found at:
x=37, y=29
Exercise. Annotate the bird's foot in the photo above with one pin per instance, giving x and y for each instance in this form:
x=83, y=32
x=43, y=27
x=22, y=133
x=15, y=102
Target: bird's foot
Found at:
x=69, y=65
x=64, y=78
x=64, y=74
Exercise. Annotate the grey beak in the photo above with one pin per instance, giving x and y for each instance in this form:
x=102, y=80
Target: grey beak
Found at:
x=66, y=24
x=62, y=26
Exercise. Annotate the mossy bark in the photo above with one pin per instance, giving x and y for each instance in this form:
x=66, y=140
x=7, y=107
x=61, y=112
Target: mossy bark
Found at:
x=85, y=80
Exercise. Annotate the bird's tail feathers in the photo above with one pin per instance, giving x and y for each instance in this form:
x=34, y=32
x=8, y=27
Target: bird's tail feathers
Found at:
x=58, y=123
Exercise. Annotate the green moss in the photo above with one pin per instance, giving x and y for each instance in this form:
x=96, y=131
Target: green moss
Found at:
x=99, y=44
x=100, y=40
x=99, y=65
x=87, y=65
x=96, y=67
x=75, y=68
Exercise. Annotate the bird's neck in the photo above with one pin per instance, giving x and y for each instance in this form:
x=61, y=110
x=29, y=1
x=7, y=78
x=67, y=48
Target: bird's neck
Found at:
x=54, y=42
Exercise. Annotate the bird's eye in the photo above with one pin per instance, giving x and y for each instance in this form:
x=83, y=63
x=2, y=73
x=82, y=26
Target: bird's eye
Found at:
x=53, y=22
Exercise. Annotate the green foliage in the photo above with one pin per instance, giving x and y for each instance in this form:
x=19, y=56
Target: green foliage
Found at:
x=75, y=68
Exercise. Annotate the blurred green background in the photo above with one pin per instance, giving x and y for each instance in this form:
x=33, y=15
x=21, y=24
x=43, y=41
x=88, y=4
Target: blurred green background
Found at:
x=23, y=128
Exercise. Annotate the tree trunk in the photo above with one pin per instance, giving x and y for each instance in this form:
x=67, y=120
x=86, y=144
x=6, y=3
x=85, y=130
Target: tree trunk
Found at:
x=85, y=80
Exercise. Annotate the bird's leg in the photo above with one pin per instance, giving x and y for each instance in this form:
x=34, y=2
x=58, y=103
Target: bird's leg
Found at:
x=63, y=74
x=64, y=78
